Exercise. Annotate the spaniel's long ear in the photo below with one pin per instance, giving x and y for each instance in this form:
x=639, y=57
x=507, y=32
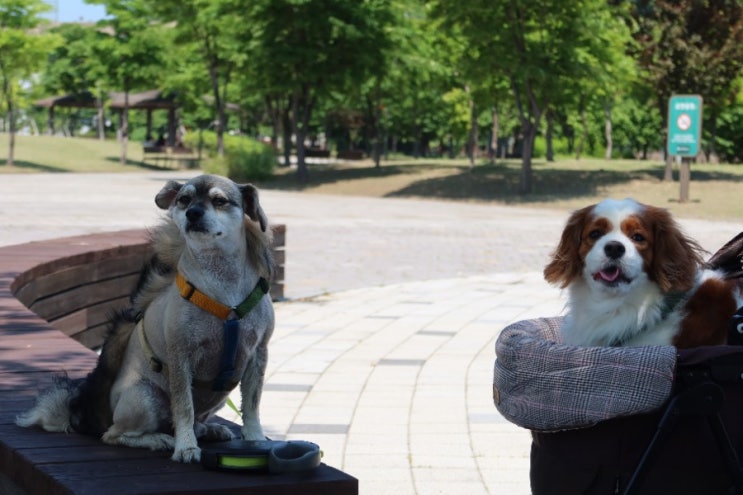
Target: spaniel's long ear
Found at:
x=566, y=263
x=252, y=205
x=676, y=257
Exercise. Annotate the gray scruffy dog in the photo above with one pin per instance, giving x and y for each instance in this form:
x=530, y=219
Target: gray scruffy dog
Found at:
x=199, y=323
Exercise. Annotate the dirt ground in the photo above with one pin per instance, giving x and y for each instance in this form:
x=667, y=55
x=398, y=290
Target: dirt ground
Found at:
x=715, y=193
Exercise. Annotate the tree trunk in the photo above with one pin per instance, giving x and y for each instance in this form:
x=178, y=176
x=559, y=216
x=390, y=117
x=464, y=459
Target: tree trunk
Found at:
x=550, y=153
x=7, y=94
x=286, y=128
x=712, y=152
x=219, y=112
x=584, y=130
x=417, y=139
x=373, y=133
x=473, y=138
x=529, y=127
x=302, y=111
x=607, y=131
x=11, y=131
x=273, y=114
x=99, y=107
x=51, y=120
x=377, y=119
x=494, y=135
x=124, y=128
x=530, y=134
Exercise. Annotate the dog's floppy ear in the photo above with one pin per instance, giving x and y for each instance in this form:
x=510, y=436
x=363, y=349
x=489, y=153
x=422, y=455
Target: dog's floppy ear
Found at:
x=252, y=206
x=566, y=263
x=167, y=194
x=676, y=256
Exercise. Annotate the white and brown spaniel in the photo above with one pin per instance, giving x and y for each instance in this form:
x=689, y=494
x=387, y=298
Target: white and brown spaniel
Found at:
x=634, y=278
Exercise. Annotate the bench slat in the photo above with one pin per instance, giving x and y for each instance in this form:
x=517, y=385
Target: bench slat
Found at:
x=76, y=276
x=62, y=304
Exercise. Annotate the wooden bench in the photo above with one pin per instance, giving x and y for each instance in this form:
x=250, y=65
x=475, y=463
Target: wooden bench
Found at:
x=350, y=155
x=316, y=153
x=74, y=282
x=181, y=156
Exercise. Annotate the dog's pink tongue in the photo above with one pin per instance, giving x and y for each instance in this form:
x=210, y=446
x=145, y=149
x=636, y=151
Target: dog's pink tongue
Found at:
x=610, y=274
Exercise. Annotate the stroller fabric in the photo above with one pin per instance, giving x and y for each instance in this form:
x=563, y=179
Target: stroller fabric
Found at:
x=543, y=385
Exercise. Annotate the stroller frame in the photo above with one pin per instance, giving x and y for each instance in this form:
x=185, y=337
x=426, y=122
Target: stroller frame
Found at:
x=698, y=393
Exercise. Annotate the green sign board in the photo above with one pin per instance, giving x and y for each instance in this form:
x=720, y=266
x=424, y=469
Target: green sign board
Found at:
x=684, y=125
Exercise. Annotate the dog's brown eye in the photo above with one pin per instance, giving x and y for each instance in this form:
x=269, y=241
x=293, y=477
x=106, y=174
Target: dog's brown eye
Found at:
x=638, y=237
x=595, y=234
x=219, y=201
x=184, y=200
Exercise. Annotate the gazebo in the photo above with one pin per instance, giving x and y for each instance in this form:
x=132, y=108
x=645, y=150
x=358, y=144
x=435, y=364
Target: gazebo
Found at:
x=81, y=100
x=151, y=100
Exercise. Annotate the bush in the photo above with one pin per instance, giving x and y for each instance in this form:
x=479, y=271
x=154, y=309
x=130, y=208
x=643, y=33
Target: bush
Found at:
x=244, y=158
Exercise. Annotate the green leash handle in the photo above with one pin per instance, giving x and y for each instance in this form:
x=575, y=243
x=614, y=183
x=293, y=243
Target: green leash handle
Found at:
x=261, y=456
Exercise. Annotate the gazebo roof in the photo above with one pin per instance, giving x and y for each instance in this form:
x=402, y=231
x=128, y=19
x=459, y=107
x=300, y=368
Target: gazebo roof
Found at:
x=80, y=100
x=152, y=99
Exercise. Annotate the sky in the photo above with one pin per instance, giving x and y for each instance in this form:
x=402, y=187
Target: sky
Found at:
x=74, y=11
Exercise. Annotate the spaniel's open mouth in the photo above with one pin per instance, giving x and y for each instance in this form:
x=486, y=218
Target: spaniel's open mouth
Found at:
x=611, y=276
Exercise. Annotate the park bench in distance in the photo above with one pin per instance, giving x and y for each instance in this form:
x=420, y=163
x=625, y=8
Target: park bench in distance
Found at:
x=170, y=156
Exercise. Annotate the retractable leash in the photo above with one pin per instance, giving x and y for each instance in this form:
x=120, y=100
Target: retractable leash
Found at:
x=264, y=456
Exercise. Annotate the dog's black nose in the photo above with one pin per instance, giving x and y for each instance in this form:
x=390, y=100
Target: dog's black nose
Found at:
x=194, y=213
x=614, y=250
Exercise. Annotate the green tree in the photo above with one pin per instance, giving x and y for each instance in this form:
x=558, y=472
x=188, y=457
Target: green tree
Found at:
x=307, y=49
x=218, y=34
x=73, y=66
x=690, y=47
x=22, y=51
x=419, y=73
x=131, y=51
x=637, y=121
x=540, y=48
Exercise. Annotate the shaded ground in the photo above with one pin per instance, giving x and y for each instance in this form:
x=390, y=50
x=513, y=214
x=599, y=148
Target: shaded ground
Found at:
x=714, y=190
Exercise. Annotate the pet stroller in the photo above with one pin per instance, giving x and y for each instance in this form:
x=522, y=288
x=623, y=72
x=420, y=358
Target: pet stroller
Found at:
x=626, y=420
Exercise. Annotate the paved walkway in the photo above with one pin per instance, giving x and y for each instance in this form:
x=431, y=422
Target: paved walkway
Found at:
x=383, y=353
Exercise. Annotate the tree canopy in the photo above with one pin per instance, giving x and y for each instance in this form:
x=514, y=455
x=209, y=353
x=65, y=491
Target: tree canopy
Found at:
x=527, y=79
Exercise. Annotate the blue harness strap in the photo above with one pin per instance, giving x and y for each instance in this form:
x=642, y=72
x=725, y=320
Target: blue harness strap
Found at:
x=225, y=379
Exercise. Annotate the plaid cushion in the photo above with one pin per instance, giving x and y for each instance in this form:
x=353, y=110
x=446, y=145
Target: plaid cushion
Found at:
x=544, y=385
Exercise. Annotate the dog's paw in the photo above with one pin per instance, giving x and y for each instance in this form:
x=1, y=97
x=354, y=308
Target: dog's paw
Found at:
x=187, y=455
x=252, y=432
x=214, y=433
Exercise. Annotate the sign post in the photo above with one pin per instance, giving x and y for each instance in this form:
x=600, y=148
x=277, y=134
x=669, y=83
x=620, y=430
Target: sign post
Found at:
x=684, y=135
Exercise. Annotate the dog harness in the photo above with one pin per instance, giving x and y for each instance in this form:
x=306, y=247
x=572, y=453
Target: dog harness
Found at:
x=670, y=302
x=225, y=379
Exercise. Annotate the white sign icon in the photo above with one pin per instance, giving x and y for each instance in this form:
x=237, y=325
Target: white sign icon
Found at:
x=683, y=122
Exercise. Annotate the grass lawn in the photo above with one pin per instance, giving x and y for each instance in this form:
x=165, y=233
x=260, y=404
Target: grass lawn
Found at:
x=567, y=184
x=57, y=154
